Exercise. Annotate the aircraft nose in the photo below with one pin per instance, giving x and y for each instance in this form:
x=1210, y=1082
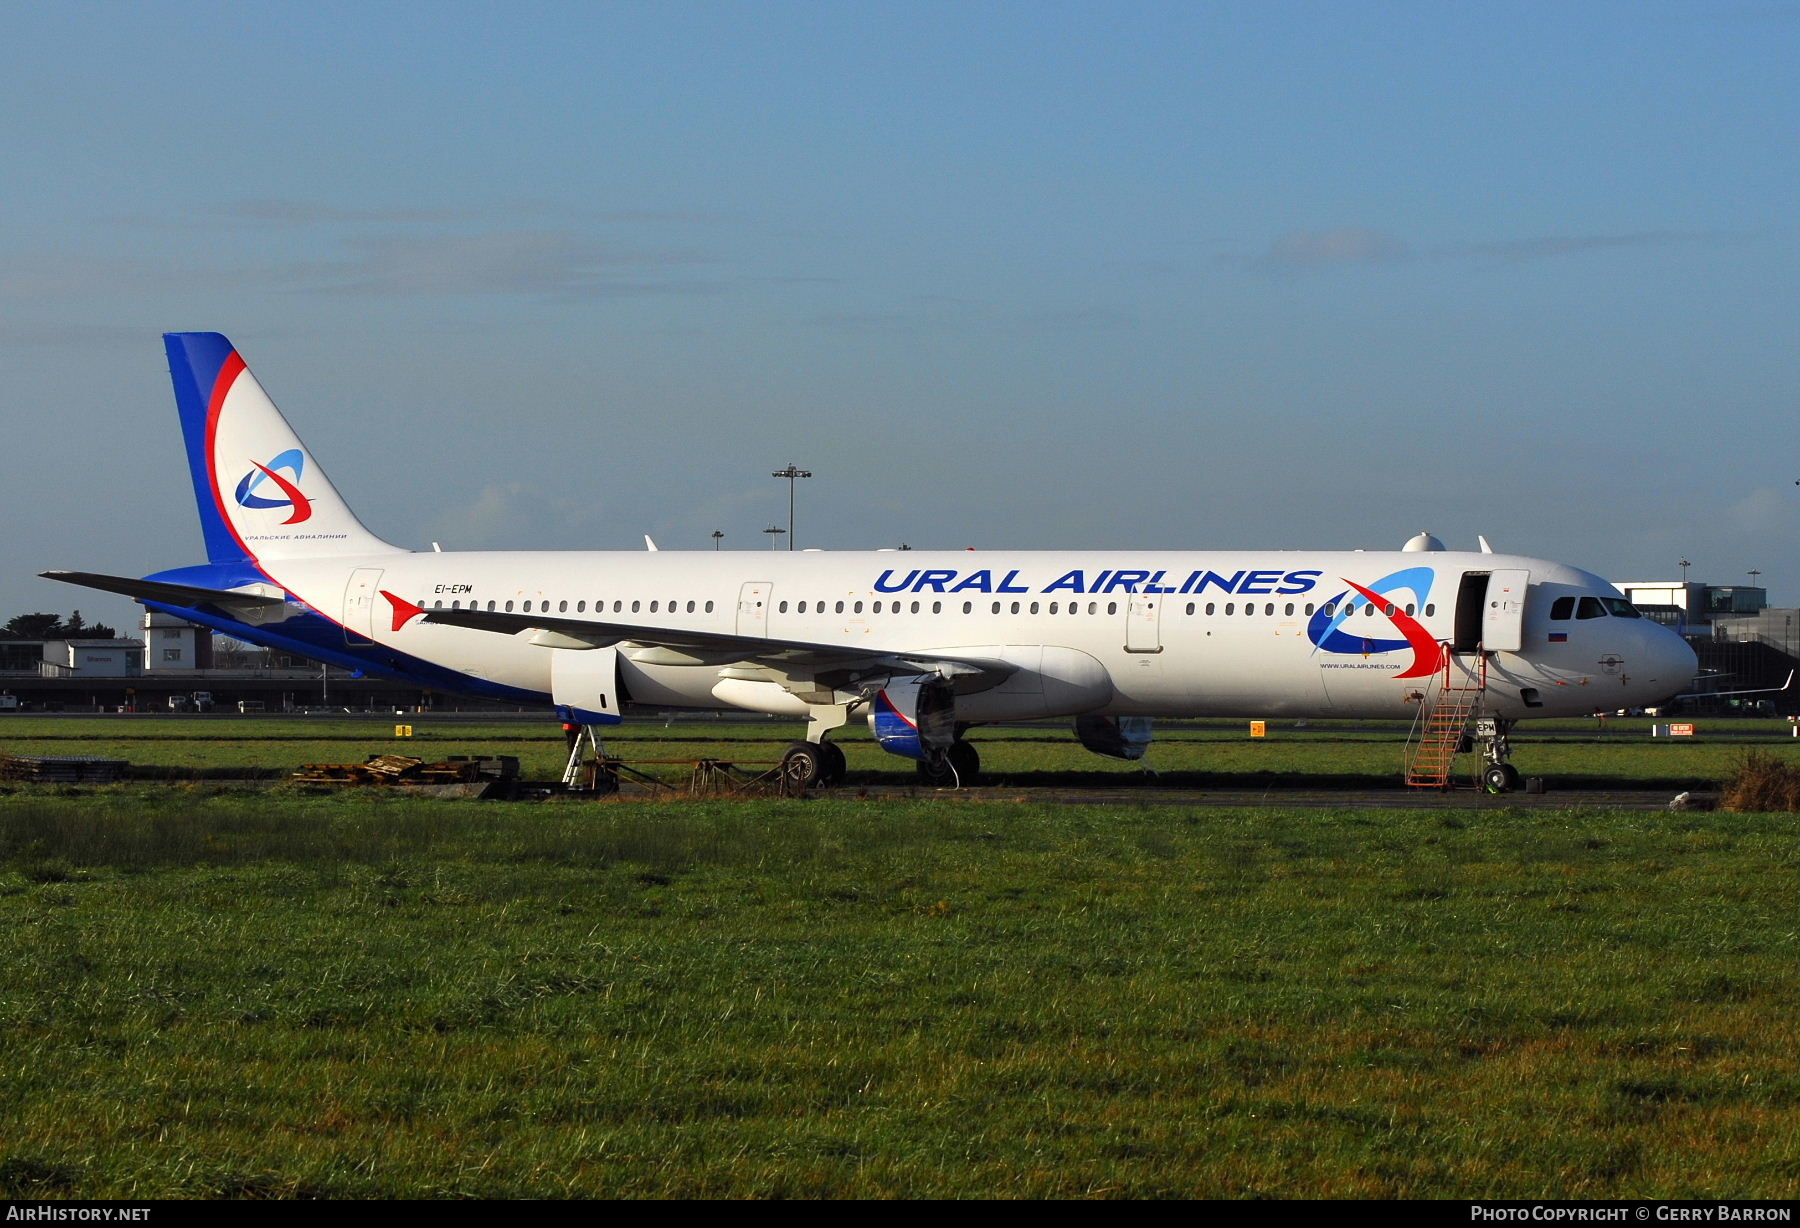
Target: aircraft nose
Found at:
x=1672, y=664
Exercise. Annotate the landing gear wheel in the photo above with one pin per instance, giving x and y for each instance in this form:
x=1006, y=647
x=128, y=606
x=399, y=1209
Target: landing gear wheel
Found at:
x=832, y=767
x=965, y=762
x=957, y=765
x=935, y=772
x=1500, y=778
x=803, y=764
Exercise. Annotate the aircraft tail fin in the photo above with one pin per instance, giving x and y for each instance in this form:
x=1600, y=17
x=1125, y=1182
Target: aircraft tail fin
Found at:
x=261, y=494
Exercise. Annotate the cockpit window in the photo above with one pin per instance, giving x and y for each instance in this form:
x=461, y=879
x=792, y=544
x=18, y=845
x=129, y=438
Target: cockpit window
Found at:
x=1590, y=608
x=1562, y=608
x=1618, y=607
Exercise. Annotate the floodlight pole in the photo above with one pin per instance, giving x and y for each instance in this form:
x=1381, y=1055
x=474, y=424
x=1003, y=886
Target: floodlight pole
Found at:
x=791, y=473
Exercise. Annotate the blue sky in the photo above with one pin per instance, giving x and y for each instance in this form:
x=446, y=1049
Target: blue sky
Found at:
x=1033, y=275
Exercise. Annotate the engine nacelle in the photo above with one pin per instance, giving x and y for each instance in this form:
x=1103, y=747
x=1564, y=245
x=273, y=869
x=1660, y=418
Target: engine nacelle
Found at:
x=914, y=717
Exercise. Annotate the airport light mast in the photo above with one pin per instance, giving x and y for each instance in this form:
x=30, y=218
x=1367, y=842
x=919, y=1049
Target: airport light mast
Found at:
x=791, y=473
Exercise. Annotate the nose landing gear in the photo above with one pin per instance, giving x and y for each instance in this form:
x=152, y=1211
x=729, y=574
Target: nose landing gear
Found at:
x=1499, y=776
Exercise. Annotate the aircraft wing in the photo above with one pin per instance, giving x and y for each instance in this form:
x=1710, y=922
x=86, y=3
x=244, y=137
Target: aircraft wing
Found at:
x=673, y=646
x=167, y=594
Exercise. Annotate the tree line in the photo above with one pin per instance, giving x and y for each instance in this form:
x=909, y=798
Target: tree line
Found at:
x=42, y=626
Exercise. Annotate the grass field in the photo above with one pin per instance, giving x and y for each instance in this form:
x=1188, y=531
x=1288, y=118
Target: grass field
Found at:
x=220, y=991
x=1569, y=754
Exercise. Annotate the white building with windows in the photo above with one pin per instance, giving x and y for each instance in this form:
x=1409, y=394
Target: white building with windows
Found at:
x=174, y=645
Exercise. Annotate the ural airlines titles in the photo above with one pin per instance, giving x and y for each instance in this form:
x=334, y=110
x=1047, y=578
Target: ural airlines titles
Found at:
x=1123, y=580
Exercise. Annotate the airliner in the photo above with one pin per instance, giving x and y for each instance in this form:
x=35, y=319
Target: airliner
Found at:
x=923, y=645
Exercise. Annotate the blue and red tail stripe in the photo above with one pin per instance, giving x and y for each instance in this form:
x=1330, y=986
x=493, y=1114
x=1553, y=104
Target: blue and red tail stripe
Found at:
x=203, y=367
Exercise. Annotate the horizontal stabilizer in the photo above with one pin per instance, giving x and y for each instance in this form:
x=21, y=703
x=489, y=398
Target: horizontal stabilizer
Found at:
x=163, y=593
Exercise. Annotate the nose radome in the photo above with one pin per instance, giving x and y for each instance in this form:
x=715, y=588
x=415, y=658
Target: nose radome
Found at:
x=1672, y=663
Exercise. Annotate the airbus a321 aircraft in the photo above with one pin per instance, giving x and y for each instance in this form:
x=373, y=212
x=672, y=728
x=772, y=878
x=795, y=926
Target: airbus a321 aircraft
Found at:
x=923, y=645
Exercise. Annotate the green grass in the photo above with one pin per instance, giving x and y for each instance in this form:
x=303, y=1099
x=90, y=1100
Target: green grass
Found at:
x=1569, y=754
x=220, y=992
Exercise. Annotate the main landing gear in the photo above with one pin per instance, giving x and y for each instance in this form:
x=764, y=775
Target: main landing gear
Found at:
x=956, y=766
x=805, y=764
x=1499, y=775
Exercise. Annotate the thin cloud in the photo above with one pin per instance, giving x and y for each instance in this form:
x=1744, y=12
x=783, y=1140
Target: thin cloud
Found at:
x=1546, y=247
x=307, y=212
x=296, y=212
x=553, y=263
x=1765, y=511
x=39, y=276
x=1307, y=251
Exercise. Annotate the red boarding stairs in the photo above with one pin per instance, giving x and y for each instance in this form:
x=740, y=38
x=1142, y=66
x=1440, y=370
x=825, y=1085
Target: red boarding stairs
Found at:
x=1444, y=714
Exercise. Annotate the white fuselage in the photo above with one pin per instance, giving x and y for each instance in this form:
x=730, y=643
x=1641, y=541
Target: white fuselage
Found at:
x=1107, y=632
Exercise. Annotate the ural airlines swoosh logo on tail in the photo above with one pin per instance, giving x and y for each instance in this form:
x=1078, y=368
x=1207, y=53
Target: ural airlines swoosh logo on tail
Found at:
x=1327, y=632
x=292, y=460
